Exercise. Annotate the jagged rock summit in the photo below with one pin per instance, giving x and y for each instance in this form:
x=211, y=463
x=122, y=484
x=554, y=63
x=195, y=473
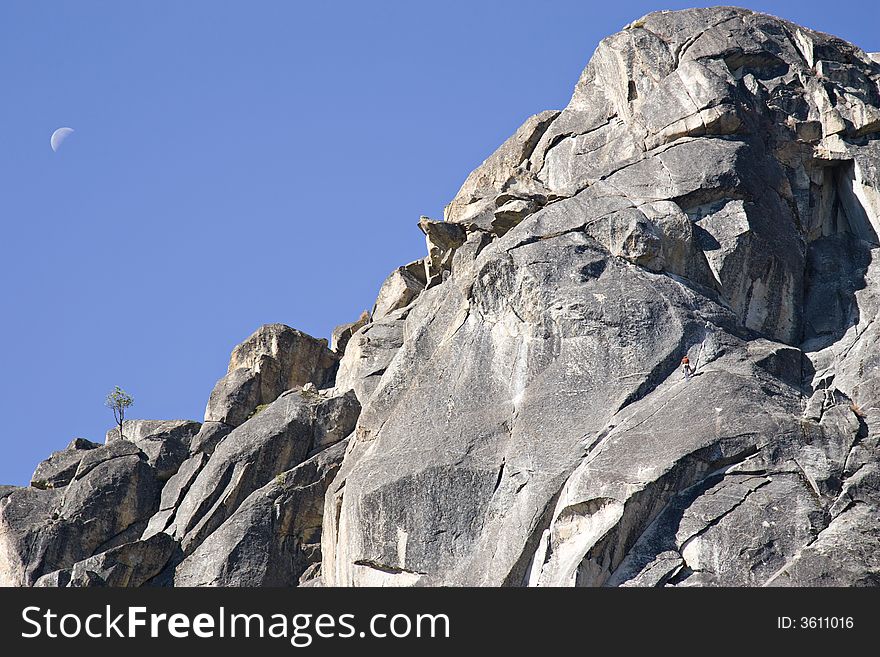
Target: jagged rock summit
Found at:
x=512, y=412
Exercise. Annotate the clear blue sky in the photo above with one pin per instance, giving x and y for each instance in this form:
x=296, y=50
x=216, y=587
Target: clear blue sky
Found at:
x=238, y=163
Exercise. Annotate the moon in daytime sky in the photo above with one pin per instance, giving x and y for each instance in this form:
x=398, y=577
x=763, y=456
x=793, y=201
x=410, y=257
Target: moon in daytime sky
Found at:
x=58, y=137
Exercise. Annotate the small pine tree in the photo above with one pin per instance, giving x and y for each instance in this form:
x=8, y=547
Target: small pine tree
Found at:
x=118, y=401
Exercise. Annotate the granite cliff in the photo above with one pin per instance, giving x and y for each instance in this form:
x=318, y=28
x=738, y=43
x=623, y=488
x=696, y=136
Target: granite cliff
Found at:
x=512, y=410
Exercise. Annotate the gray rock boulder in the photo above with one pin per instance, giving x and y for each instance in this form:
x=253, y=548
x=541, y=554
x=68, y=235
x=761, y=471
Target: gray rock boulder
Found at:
x=107, y=503
x=165, y=442
x=274, y=359
x=209, y=436
x=342, y=333
x=202, y=445
x=129, y=565
x=274, y=537
x=369, y=353
x=398, y=291
x=284, y=358
x=24, y=515
x=234, y=398
x=442, y=238
x=58, y=470
x=477, y=204
x=173, y=493
x=273, y=441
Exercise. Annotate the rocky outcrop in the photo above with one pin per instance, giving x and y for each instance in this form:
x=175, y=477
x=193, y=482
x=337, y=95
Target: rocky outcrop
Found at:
x=94, y=516
x=275, y=440
x=369, y=353
x=59, y=469
x=274, y=537
x=503, y=189
x=513, y=412
x=442, y=239
x=234, y=398
x=130, y=565
x=398, y=291
x=274, y=359
x=166, y=443
x=106, y=504
x=284, y=358
x=710, y=191
x=342, y=333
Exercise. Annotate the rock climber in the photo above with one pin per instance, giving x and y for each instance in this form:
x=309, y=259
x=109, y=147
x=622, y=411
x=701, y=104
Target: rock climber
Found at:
x=686, y=367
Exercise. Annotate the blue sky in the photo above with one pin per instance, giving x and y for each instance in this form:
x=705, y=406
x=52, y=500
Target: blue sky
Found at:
x=239, y=163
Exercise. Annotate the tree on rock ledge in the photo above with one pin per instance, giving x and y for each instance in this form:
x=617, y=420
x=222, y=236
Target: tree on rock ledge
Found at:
x=118, y=401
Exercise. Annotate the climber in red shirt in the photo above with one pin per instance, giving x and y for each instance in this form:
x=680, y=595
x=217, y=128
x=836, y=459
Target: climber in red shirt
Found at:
x=686, y=367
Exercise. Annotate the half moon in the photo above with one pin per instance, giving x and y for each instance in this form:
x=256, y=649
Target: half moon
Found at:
x=58, y=137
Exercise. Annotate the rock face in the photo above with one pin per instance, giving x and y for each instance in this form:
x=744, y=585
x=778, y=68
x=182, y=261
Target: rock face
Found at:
x=58, y=470
x=274, y=359
x=368, y=354
x=398, y=291
x=166, y=443
x=106, y=504
x=273, y=537
x=710, y=191
x=342, y=333
x=503, y=184
x=442, y=239
x=513, y=411
x=275, y=440
x=129, y=565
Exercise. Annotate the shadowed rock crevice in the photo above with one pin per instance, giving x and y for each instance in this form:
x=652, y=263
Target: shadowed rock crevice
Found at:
x=841, y=237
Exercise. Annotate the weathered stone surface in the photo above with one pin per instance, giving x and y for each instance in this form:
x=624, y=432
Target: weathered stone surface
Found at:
x=704, y=193
x=210, y=434
x=510, y=211
x=24, y=512
x=202, y=446
x=285, y=358
x=506, y=170
x=57, y=470
x=273, y=537
x=843, y=554
x=418, y=269
x=334, y=417
x=398, y=291
x=342, y=333
x=165, y=442
x=55, y=579
x=173, y=493
x=712, y=190
x=527, y=322
x=442, y=238
x=368, y=354
x=234, y=398
x=274, y=359
x=273, y=441
x=140, y=431
x=129, y=565
x=107, y=503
